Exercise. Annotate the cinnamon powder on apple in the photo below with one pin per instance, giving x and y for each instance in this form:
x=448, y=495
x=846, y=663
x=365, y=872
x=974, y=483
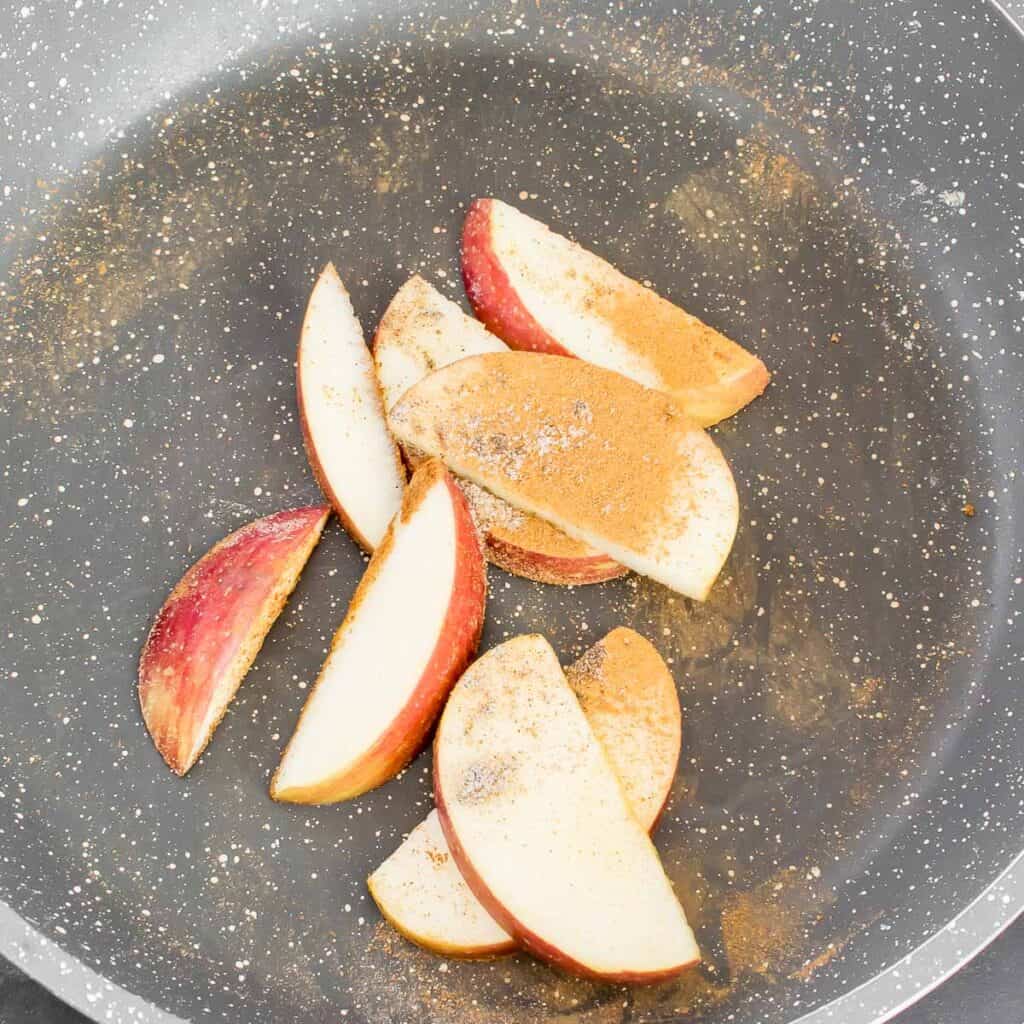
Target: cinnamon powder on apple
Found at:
x=594, y=447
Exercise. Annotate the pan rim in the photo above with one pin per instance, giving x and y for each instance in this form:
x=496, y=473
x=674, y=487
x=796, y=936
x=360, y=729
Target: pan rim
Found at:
x=924, y=969
x=982, y=921
x=1008, y=10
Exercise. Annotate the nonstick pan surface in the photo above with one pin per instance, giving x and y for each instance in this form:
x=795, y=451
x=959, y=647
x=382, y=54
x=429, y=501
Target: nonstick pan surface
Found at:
x=837, y=185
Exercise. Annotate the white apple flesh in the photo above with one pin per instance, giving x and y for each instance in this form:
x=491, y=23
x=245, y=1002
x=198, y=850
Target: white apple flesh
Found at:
x=412, y=626
x=352, y=454
x=630, y=700
x=540, y=828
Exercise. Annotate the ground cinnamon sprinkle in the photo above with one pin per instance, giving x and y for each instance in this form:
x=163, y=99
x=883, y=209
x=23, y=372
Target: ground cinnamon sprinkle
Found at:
x=682, y=351
x=535, y=535
x=806, y=972
x=624, y=672
x=757, y=929
x=587, y=671
x=685, y=352
x=438, y=857
x=579, y=442
x=497, y=520
x=628, y=695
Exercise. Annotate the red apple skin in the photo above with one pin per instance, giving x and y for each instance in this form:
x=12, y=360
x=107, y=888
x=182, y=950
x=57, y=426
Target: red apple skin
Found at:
x=211, y=626
x=529, y=941
x=495, y=302
x=544, y=568
x=455, y=648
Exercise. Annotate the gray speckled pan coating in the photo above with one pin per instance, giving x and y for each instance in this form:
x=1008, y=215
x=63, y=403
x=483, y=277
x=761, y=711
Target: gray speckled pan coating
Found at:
x=836, y=185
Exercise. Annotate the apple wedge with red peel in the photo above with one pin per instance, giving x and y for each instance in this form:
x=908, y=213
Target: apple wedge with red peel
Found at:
x=540, y=828
x=354, y=458
x=630, y=700
x=613, y=464
x=527, y=546
x=413, y=625
x=420, y=331
x=539, y=291
x=212, y=625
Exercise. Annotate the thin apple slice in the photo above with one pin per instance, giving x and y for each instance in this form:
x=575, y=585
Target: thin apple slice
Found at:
x=213, y=624
x=354, y=458
x=527, y=546
x=539, y=291
x=421, y=331
x=629, y=697
x=412, y=626
x=423, y=896
x=540, y=828
x=630, y=700
x=613, y=464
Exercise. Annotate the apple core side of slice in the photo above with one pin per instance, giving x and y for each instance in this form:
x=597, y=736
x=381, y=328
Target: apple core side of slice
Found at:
x=616, y=465
x=540, y=828
x=420, y=331
x=210, y=628
x=630, y=700
x=541, y=292
x=352, y=454
x=413, y=625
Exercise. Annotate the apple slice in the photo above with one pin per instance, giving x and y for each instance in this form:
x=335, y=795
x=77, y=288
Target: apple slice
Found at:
x=630, y=700
x=421, y=331
x=423, y=896
x=412, y=626
x=613, y=464
x=538, y=291
x=213, y=624
x=352, y=455
x=540, y=828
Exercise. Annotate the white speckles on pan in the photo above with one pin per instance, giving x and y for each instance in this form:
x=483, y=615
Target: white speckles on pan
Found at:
x=837, y=188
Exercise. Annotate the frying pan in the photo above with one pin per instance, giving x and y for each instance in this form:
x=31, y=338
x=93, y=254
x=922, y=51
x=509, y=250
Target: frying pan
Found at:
x=835, y=184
